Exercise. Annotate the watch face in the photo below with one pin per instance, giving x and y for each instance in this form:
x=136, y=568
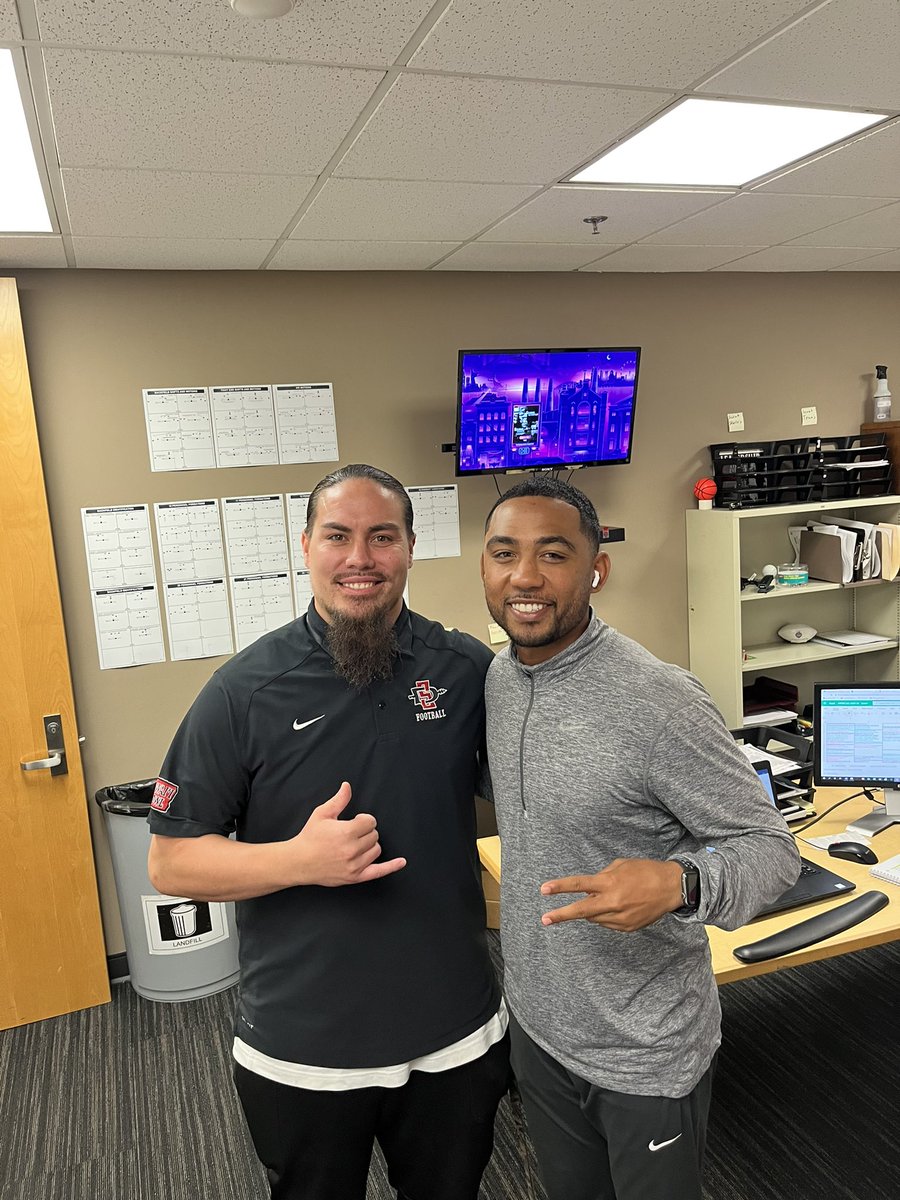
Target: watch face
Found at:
x=690, y=887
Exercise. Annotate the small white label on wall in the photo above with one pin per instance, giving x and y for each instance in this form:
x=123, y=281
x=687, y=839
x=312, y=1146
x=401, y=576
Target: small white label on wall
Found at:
x=735, y=422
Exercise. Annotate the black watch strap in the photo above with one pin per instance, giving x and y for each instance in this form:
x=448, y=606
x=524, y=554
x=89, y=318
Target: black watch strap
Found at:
x=690, y=888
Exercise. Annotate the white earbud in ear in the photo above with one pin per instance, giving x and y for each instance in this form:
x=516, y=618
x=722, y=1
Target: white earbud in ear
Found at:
x=596, y=579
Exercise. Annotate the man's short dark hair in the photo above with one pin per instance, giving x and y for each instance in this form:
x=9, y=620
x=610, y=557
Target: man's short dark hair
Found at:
x=360, y=471
x=554, y=489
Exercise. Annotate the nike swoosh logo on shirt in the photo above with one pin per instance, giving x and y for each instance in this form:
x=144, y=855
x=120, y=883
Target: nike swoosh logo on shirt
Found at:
x=654, y=1145
x=303, y=724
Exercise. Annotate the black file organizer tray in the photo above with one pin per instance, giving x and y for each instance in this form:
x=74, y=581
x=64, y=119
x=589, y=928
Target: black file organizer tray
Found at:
x=777, y=740
x=798, y=471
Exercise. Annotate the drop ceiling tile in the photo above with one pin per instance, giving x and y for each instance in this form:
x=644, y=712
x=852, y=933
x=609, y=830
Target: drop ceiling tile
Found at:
x=168, y=112
x=647, y=43
x=354, y=31
x=518, y=256
x=866, y=167
x=880, y=229
x=10, y=30
x=359, y=256
x=25, y=251
x=386, y=210
x=493, y=130
x=879, y=262
x=166, y=254
x=558, y=215
x=157, y=204
x=754, y=219
x=845, y=52
x=792, y=258
x=651, y=259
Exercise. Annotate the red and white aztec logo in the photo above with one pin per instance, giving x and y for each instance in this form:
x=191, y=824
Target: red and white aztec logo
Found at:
x=163, y=795
x=424, y=695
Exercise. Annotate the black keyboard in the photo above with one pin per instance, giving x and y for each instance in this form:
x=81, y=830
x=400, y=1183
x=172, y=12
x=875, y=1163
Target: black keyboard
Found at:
x=816, y=929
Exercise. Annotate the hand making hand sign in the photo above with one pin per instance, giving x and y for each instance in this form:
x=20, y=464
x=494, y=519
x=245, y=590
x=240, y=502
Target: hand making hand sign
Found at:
x=628, y=894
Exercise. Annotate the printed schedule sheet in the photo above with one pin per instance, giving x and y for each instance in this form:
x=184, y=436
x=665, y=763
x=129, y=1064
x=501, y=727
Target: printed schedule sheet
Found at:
x=244, y=425
x=259, y=565
x=436, y=520
x=199, y=622
x=304, y=413
x=192, y=555
x=122, y=579
x=179, y=429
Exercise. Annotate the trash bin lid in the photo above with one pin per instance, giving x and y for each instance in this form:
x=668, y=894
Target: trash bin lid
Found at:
x=128, y=799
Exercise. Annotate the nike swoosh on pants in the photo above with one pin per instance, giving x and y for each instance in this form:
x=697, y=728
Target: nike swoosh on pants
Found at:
x=654, y=1145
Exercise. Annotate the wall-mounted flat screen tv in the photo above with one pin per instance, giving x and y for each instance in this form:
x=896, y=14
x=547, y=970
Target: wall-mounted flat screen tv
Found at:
x=521, y=410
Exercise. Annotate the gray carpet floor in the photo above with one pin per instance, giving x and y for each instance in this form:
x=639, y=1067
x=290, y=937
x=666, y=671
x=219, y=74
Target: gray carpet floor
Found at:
x=134, y=1101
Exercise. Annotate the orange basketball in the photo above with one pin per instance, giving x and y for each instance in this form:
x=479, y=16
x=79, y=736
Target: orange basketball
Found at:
x=705, y=489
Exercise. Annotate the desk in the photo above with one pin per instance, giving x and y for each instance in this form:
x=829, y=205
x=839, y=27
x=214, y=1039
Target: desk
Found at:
x=883, y=927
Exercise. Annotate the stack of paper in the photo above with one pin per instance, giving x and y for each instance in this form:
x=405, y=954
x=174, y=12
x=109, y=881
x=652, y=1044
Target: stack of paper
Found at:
x=779, y=765
x=849, y=638
x=774, y=716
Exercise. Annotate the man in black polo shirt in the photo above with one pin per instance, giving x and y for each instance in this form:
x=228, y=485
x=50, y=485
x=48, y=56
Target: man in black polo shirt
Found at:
x=343, y=749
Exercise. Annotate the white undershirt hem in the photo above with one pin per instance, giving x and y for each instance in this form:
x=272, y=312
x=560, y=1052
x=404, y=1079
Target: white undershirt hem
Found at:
x=337, y=1079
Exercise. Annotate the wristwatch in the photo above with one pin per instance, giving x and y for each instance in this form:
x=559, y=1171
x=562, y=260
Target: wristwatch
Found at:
x=690, y=888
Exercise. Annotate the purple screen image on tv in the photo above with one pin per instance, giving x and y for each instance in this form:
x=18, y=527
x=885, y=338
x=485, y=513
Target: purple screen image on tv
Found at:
x=526, y=409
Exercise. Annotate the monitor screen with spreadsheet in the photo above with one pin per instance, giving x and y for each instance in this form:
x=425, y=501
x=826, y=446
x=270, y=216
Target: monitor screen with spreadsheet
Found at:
x=857, y=734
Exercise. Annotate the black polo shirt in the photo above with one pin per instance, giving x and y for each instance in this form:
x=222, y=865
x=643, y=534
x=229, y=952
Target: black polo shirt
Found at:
x=369, y=974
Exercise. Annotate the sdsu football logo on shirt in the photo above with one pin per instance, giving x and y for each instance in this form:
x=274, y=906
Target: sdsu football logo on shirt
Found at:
x=163, y=795
x=424, y=696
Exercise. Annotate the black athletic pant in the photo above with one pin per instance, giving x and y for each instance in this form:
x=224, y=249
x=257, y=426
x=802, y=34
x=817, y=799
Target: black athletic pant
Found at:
x=594, y=1144
x=436, y=1132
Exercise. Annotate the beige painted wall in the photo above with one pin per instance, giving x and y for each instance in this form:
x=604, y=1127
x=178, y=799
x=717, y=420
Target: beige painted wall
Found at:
x=712, y=343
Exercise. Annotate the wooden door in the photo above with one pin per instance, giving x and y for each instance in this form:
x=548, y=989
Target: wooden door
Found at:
x=52, y=956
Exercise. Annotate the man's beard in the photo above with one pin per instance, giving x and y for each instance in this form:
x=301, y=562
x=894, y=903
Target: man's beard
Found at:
x=363, y=647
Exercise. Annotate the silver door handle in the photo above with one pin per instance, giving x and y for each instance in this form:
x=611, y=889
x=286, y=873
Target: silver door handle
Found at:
x=55, y=762
x=40, y=764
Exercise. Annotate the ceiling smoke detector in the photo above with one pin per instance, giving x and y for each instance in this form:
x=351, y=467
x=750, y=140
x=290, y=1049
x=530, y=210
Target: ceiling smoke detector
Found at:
x=262, y=10
x=595, y=221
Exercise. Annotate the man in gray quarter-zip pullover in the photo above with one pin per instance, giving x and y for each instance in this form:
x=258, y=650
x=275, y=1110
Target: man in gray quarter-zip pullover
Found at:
x=614, y=778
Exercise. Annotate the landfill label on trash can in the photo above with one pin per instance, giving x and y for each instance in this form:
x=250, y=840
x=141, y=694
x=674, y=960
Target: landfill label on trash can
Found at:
x=176, y=924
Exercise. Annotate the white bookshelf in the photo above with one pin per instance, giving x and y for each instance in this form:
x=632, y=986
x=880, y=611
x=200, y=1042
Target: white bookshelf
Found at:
x=725, y=624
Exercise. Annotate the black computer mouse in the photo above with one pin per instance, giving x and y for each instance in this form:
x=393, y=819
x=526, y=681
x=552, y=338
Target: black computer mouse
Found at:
x=854, y=851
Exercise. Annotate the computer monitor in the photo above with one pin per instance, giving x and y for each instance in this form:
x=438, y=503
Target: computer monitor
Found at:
x=857, y=741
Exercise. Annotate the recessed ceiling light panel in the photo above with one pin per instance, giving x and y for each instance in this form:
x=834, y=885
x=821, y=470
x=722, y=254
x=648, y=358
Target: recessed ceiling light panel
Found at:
x=23, y=208
x=722, y=143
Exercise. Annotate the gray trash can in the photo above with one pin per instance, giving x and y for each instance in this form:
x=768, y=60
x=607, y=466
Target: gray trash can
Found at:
x=178, y=948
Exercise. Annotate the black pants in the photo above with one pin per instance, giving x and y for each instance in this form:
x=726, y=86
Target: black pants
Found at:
x=436, y=1132
x=595, y=1144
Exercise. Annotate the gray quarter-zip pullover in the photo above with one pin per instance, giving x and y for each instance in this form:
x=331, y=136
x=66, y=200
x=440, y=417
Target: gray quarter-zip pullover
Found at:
x=605, y=752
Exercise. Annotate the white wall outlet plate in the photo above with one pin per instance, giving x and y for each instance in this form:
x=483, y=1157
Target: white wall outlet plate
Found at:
x=496, y=633
x=735, y=422
x=809, y=416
